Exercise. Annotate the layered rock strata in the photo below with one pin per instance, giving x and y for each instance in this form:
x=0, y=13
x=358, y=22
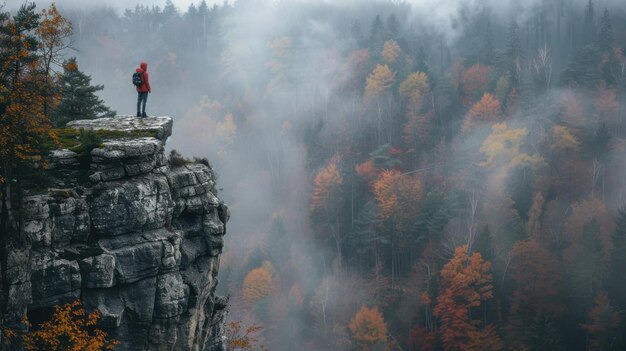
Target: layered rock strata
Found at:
x=137, y=238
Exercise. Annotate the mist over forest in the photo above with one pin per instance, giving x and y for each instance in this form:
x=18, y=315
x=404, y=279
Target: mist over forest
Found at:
x=418, y=175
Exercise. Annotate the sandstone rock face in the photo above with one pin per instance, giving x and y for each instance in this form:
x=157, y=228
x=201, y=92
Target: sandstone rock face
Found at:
x=137, y=239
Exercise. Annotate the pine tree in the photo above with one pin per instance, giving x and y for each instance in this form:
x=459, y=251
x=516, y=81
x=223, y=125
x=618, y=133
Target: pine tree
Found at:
x=617, y=277
x=393, y=26
x=600, y=144
x=513, y=52
x=605, y=327
x=583, y=68
x=364, y=238
x=484, y=245
x=487, y=53
x=357, y=33
x=383, y=159
x=588, y=268
x=279, y=243
x=605, y=36
x=78, y=97
x=377, y=36
x=590, y=25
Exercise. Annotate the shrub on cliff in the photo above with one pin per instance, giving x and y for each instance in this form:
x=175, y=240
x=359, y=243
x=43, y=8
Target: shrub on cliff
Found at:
x=69, y=328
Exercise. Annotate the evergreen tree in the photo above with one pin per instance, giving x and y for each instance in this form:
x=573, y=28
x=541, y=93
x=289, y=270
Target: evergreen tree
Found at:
x=605, y=36
x=513, y=52
x=588, y=268
x=487, y=53
x=393, y=26
x=437, y=210
x=544, y=333
x=279, y=244
x=78, y=97
x=357, y=33
x=383, y=159
x=590, y=25
x=377, y=36
x=421, y=64
x=484, y=244
x=364, y=238
x=617, y=277
x=583, y=69
x=600, y=144
x=520, y=184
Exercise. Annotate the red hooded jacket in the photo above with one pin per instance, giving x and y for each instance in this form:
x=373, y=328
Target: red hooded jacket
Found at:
x=145, y=87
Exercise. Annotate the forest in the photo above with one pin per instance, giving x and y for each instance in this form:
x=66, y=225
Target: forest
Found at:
x=418, y=175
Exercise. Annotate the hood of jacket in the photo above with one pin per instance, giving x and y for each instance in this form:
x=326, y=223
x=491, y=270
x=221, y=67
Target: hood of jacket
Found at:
x=144, y=66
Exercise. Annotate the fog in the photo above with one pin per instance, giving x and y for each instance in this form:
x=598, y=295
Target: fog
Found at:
x=269, y=92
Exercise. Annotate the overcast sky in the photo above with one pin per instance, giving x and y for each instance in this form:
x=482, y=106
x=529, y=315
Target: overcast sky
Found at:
x=121, y=4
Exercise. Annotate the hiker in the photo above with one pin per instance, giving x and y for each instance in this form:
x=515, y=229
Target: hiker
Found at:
x=142, y=83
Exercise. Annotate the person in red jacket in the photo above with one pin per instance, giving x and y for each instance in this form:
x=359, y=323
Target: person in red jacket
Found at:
x=143, y=90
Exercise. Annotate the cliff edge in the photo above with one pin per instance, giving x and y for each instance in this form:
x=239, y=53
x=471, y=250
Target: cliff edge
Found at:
x=127, y=232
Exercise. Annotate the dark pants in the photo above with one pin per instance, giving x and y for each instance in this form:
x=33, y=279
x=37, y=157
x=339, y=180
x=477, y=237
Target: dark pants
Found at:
x=142, y=97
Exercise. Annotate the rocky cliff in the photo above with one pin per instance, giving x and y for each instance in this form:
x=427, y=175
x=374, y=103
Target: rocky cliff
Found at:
x=127, y=232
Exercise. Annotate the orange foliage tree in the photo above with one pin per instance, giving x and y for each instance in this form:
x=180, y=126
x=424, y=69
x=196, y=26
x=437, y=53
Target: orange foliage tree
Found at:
x=475, y=81
x=465, y=284
x=259, y=283
x=69, y=329
x=485, y=111
x=326, y=185
x=326, y=201
x=368, y=328
x=398, y=196
x=240, y=337
x=54, y=33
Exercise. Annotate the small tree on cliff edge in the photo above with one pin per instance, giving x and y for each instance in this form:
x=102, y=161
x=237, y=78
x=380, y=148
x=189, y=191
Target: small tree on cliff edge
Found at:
x=78, y=97
x=70, y=328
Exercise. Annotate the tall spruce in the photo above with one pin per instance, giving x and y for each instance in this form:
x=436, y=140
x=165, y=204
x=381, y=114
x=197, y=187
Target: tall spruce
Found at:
x=605, y=36
x=377, y=36
x=590, y=22
x=514, y=52
x=78, y=97
x=617, y=277
x=484, y=244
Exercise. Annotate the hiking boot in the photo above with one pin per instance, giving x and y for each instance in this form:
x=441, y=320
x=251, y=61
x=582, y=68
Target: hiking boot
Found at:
x=144, y=115
x=138, y=114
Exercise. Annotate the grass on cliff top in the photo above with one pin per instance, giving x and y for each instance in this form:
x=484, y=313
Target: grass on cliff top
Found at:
x=74, y=139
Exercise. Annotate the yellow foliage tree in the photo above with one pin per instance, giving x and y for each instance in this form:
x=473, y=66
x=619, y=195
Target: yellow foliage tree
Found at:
x=379, y=80
x=368, y=328
x=391, y=51
x=259, y=283
x=69, y=329
x=563, y=139
x=415, y=83
x=503, y=148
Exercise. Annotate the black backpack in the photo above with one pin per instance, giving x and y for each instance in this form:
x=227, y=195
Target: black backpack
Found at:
x=138, y=79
